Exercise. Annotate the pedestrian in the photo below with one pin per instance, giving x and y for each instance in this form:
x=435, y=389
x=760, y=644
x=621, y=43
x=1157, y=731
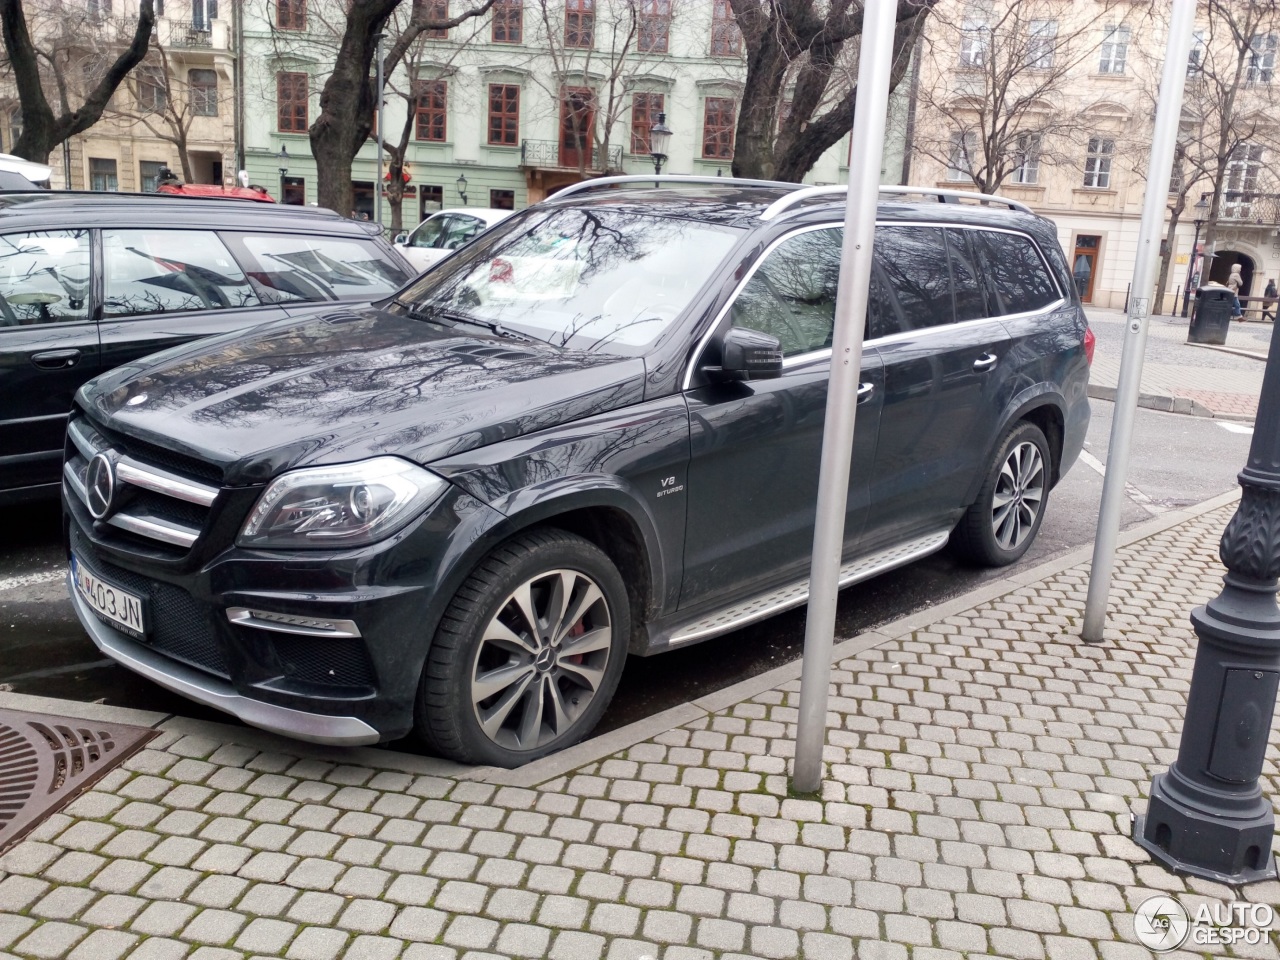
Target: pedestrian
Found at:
x=1234, y=283
x=1269, y=297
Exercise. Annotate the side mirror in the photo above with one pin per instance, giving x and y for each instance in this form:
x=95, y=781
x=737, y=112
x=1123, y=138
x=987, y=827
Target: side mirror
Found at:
x=402, y=239
x=748, y=355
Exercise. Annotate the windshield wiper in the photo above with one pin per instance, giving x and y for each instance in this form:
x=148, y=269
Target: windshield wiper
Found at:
x=438, y=314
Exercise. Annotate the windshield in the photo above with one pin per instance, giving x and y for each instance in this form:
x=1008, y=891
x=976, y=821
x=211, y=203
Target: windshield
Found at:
x=591, y=279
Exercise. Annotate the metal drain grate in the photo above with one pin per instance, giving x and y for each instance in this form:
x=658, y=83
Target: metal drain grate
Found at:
x=45, y=761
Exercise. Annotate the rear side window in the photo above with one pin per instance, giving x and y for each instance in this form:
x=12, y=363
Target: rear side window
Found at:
x=965, y=278
x=44, y=277
x=288, y=268
x=1017, y=277
x=913, y=260
x=170, y=271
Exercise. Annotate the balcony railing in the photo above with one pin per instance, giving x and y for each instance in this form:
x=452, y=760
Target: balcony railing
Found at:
x=192, y=37
x=548, y=153
x=1241, y=207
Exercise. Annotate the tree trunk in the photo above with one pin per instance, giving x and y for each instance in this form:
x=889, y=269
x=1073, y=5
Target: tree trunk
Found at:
x=347, y=104
x=41, y=130
x=1162, y=281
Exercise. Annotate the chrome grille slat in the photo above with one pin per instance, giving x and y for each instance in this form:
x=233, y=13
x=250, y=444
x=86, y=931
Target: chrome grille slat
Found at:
x=75, y=478
x=165, y=531
x=162, y=481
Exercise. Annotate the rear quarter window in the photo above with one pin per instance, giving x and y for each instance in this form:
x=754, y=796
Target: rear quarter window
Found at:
x=288, y=268
x=1018, y=279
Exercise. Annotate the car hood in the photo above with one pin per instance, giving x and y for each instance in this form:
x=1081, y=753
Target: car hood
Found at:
x=351, y=384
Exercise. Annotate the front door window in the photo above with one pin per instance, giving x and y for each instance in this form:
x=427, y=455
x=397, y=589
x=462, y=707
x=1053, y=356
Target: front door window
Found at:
x=1084, y=266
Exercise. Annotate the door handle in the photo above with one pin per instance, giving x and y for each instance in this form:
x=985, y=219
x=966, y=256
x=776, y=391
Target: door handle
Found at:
x=864, y=391
x=56, y=359
x=985, y=362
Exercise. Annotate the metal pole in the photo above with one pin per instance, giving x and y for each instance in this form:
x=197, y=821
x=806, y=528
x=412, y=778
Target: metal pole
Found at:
x=1163, y=140
x=1191, y=266
x=842, y=400
x=377, y=190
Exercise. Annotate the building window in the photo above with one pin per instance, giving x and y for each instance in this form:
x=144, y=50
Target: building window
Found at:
x=645, y=108
x=504, y=114
x=438, y=11
x=508, y=21
x=502, y=199
x=579, y=23
x=1027, y=156
x=1262, y=59
x=149, y=175
x=203, y=13
x=295, y=191
x=291, y=102
x=431, y=199
x=1097, y=163
x=654, y=27
x=430, y=111
x=204, y=92
x=726, y=38
x=291, y=14
x=153, y=97
x=1042, y=41
x=964, y=147
x=102, y=175
x=1243, y=170
x=975, y=37
x=1115, y=50
x=1195, y=59
x=718, y=128
x=15, y=129
x=98, y=9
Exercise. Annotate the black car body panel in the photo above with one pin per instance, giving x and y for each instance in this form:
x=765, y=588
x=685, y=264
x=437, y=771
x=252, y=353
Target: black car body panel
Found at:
x=700, y=491
x=45, y=354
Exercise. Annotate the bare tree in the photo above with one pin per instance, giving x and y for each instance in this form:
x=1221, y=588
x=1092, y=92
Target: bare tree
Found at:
x=69, y=53
x=166, y=105
x=799, y=92
x=997, y=96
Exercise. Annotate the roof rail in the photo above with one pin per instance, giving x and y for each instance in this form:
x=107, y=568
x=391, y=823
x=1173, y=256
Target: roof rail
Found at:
x=942, y=196
x=658, y=180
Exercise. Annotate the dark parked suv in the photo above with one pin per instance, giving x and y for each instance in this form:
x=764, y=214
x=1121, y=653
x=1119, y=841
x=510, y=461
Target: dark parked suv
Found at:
x=595, y=431
x=90, y=281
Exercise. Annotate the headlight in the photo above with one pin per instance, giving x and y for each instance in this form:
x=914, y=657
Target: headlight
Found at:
x=343, y=506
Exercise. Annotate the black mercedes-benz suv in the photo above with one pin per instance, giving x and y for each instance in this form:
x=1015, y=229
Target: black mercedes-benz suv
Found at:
x=595, y=431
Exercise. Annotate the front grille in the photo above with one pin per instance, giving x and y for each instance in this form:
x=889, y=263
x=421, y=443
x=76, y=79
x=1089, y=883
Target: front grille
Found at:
x=155, y=495
x=180, y=625
x=324, y=660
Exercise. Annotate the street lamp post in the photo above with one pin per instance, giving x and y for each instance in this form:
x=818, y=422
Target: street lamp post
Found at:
x=1207, y=815
x=659, y=141
x=1201, y=209
x=283, y=157
x=462, y=188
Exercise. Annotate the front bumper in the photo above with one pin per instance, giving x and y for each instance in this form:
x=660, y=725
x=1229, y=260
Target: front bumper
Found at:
x=203, y=688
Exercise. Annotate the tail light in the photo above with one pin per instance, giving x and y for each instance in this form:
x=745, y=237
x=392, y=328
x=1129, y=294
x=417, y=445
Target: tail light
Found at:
x=1090, y=341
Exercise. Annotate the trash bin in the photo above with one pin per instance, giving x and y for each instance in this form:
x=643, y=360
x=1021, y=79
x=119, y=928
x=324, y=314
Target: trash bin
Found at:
x=1212, y=316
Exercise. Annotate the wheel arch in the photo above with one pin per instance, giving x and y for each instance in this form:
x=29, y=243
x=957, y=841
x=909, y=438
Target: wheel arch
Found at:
x=1041, y=406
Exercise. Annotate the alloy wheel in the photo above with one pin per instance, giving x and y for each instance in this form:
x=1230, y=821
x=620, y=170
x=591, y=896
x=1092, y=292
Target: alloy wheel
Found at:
x=541, y=660
x=1019, y=495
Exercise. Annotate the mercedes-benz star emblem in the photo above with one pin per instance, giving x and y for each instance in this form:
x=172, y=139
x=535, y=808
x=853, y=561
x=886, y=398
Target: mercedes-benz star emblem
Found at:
x=100, y=482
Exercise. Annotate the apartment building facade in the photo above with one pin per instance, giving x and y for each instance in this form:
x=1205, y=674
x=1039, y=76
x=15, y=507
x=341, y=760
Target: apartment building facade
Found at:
x=1052, y=102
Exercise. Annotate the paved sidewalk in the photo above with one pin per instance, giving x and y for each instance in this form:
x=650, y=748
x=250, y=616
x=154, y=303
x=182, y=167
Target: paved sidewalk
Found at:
x=981, y=771
x=1180, y=377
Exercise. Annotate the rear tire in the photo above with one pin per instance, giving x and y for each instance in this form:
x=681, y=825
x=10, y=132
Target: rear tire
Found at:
x=528, y=653
x=1000, y=526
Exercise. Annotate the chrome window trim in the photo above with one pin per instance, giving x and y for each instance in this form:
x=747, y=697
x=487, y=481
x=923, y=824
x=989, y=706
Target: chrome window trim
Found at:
x=687, y=380
x=162, y=481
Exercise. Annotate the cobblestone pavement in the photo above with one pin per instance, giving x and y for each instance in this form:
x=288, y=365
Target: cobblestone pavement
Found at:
x=1182, y=377
x=981, y=769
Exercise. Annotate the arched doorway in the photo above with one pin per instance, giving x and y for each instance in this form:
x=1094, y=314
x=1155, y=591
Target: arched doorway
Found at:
x=1223, y=260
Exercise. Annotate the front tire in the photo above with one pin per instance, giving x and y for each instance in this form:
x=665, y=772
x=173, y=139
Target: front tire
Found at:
x=528, y=653
x=999, y=527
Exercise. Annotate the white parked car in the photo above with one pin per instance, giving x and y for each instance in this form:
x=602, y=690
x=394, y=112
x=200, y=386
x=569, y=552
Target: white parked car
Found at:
x=445, y=231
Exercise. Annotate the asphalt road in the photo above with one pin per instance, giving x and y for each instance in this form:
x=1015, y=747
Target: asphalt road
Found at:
x=1176, y=461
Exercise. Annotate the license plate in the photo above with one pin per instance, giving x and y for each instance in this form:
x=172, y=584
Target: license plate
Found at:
x=121, y=609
